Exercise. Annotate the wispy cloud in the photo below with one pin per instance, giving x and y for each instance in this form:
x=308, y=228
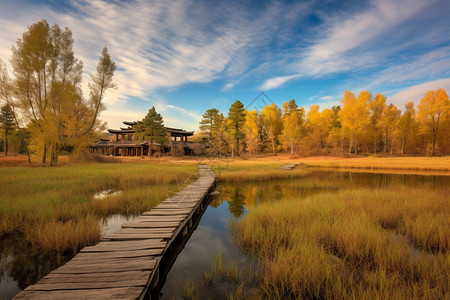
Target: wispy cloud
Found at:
x=185, y=111
x=417, y=92
x=352, y=41
x=276, y=82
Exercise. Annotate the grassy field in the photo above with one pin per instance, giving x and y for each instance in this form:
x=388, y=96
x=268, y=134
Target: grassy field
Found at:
x=361, y=243
x=53, y=209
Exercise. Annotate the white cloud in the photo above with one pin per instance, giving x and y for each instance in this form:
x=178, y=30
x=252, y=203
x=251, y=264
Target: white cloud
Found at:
x=416, y=92
x=276, y=82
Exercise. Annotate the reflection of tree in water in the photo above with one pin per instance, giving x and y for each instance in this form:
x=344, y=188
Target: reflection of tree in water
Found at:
x=27, y=266
x=236, y=201
x=216, y=201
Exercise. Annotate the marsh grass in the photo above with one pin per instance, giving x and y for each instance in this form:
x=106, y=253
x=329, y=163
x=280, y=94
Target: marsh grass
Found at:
x=255, y=170
x=54, y=210
x=346, y=244
x=381, y=163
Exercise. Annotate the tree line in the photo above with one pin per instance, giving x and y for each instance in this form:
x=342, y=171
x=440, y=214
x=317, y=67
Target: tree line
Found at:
x=44, y=100
x=361, y=124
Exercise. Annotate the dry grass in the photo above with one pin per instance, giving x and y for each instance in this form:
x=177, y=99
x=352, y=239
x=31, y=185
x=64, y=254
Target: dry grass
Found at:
x=253, y=170
x=55, y=211
x=361, y=243
x=384, y=163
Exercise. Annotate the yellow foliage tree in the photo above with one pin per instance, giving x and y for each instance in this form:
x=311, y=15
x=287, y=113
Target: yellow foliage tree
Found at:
x=389, y=123
x=271, y=116
x=433, y=115
x=407, y=128
x=251, y=131
x=318, y=125
x=292, y=126
x=354, y=115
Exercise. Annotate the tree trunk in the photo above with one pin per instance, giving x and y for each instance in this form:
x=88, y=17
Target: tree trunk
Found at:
x=44, y=156
x=232, y=150
x=6, y=142
x=351, y=145
x=403, y=146
x=54, y=155
x=273, y=146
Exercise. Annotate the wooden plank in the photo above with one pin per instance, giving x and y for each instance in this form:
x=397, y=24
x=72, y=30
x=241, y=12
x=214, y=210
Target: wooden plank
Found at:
x=129, y=275
x=102, y=267
x=110, y=293
x=167, y=212
x=144, y=230
x=150, y=224
x=160, y=218
x=130, y=237
x=117, y=254
x=173, y=205
x=87, y=285
x=124, y=246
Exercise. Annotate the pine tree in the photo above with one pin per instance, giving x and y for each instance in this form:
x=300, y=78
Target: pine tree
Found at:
x=208, y=123
x=152, y=129
x=236, y=117
x=7, y=124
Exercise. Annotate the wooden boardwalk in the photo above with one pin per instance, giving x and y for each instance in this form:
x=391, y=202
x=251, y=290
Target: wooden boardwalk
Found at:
x=125, y=264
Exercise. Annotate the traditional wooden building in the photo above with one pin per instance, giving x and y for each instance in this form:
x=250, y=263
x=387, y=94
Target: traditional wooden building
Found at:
x=124, y=143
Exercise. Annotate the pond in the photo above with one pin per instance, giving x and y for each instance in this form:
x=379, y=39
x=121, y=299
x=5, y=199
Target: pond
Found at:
x=20, y=266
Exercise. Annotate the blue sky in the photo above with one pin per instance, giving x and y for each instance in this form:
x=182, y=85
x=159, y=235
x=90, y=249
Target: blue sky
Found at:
x=186, y=56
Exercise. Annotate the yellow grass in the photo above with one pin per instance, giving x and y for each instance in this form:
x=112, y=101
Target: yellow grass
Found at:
x=384, y=163
x=360, y=244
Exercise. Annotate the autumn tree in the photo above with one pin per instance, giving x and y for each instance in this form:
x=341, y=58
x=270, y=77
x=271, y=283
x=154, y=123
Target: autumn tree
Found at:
x=318, y=125
x=374, y=130
x=208, y=123
x=389, y=123
x=407, y=128
x=251, y=131
x=433, y=112
x=354, y=115
x=47, y=88
x=152, y=129
x=293, y=124
x=271, y=116
x=7, y=124
x=236, y=119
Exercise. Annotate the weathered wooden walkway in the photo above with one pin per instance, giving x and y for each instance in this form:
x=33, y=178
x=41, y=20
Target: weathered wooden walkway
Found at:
x=124, y=264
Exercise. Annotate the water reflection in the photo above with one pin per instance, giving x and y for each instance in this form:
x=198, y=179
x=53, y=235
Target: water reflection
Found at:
x=20, y=266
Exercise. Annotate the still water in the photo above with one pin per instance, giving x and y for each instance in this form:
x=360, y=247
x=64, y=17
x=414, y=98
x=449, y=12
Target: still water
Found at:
x=20, y=266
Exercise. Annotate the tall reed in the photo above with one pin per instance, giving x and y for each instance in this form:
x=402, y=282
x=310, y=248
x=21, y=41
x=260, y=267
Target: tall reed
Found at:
x=361, y=243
